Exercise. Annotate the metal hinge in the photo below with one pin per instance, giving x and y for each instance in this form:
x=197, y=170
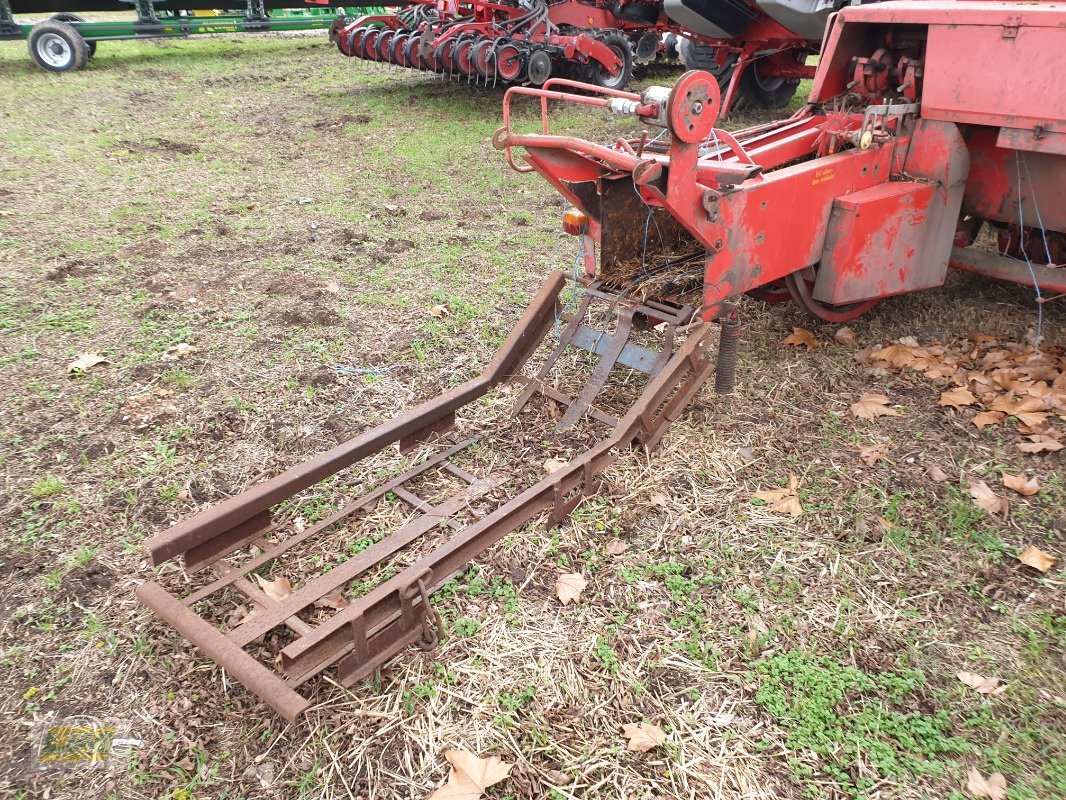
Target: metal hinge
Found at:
x=1010, y=30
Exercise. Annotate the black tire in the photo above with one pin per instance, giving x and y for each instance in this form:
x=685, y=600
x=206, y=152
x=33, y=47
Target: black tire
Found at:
x=766, y=91
x=754, y=91
x=624, y=50
x=67, y=17
x=57, y=46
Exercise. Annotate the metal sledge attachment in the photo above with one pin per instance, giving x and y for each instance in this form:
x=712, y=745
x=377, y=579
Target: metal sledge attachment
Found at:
x=285, y=642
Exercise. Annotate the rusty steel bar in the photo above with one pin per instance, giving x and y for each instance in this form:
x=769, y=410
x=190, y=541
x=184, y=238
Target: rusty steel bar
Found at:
x=235, y=511
x=267, y=685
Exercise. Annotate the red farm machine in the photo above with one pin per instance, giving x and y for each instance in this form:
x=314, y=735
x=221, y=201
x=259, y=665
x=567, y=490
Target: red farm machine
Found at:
x=757, y=49
x=910, y=157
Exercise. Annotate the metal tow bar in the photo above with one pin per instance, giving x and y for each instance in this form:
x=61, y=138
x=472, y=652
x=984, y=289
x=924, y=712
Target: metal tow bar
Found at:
x=286, y=642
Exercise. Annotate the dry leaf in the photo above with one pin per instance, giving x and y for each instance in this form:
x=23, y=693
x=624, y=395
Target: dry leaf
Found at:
x=801, y=337
x=936, y=473
x=957, y=398
x=845, y=336
x=1021, y=484
x=994, y=787
x=86, y=361
x=277, y=589
x=643, y=736
x=783, y=501
x=470, y=776
x=871, y=406
x=569, y=586
x=178, y=351
x=336, y=601
x=554, y=465
x=981, y=684
x=440, y=311
x=333, y=286
x=1037, y=559
x=1040, y=444
x=987, y=499
x=874, y=453
x=983, y=419
x=615, y=547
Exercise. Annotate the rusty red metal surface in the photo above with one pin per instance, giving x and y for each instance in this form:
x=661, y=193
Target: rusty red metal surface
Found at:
x=862, y=194
x=358, y=637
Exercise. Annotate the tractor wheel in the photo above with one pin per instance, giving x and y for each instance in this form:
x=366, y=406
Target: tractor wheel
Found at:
x=800, y=287
x=65, y=17
x=701, y=56
x=383, y=46
x=57, y=46
x=485, y=59
x=464, y=57
x=399, y=45
x=766, y=91
x=509, y=62
x=369, y=47
x=412, y=51
x=624, y=50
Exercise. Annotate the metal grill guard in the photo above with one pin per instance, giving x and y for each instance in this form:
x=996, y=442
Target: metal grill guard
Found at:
x=397, y=613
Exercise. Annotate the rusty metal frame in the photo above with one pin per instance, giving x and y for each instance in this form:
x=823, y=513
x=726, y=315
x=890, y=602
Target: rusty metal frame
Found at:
x=360, y=637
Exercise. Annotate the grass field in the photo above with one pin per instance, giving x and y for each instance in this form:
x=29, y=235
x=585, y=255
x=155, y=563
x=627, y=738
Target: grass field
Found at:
x=278, y=212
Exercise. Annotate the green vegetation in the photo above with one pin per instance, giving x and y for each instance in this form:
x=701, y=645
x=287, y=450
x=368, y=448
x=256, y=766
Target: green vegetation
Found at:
x=862, y=727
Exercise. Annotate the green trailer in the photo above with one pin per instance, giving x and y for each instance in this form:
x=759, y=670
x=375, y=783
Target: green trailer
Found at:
x=65, y=41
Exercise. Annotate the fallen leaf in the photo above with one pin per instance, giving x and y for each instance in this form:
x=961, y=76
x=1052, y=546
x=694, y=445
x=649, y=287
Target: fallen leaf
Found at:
x=643, y=736
x=569, y=586
x=936, y=473
x=615, y=547
x=981, y=684
x=845, y=336
x=178, y=351
x=86, y=361
x=333, y=286
x=801, y=337
x=872, y=454
x=1037, y=559
x=994, y=787
x=871, y=406
x=983, y=419
x=277, y=589
x=1021, y=484
x=554, y=465
x=1040, y=444
x=470, y=776
x=987, y=499
x=336, y=600
x=440, y=311
x=783, y=501
x=957, y=398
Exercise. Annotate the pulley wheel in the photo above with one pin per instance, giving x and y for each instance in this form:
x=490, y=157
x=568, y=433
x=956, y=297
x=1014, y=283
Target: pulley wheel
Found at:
x=539, y=68
x=509, y=63
x=692, y=108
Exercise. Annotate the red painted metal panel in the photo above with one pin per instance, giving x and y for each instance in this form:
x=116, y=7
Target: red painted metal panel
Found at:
x=875, y=245
x=1031, y=93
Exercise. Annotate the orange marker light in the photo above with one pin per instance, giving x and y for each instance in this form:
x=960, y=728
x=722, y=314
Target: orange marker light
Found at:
x=574, y=221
